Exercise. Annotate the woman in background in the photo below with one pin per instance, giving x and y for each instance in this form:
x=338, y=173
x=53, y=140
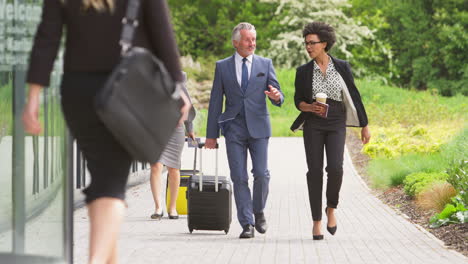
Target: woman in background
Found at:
x=171, y=159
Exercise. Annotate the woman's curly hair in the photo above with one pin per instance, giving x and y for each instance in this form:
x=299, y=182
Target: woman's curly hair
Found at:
x=324, y=31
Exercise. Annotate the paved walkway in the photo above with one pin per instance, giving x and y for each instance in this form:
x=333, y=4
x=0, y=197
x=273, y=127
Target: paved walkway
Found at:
x=368, y=230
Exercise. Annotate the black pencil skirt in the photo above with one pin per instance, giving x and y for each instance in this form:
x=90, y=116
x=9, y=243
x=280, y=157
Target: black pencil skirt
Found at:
x=107, y=161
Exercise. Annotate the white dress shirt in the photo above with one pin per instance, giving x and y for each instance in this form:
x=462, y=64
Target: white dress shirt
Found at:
x=238, y=59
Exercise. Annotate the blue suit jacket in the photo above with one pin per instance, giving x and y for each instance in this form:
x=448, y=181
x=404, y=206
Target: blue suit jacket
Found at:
x=253, y=100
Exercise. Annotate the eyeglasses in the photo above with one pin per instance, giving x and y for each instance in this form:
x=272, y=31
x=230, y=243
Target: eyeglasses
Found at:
x=311, y=43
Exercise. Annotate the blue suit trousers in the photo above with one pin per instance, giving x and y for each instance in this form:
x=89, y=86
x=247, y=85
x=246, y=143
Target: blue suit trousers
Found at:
x=238, y=141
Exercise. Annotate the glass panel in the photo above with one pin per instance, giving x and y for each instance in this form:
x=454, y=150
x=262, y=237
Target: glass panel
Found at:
x=41, y=160
x=6, y=146
x=48, y=196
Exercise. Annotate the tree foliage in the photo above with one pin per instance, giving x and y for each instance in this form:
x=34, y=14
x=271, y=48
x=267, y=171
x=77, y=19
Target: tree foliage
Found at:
x=417, y=43
x=287, y=49
x=428, y=40
x=203, y=27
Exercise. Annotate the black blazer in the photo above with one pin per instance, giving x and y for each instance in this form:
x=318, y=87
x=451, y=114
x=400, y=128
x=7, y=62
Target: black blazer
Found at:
x=303, y=93
x=92, y=38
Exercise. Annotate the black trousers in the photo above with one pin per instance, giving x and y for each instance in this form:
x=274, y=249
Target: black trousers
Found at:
x=330, y=134
x=107, y=161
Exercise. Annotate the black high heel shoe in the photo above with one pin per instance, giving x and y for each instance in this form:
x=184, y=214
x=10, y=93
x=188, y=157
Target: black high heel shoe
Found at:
x=157, y=216
x=173, y=216
x=317, y=237
x=330, y=229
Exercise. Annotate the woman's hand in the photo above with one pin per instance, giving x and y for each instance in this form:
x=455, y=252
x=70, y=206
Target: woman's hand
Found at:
x=313, y=108
x=191, y=135
x=365, y=135
x=317, y=108
x=31, y=110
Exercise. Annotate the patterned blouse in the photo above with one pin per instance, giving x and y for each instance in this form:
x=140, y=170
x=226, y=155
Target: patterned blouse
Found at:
x=329, y=83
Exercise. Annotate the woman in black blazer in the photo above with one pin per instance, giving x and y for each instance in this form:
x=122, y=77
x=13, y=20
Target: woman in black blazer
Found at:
x=326, y=74
x=92, y=50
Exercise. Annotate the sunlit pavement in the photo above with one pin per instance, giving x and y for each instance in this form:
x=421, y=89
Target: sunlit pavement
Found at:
x=368, y=230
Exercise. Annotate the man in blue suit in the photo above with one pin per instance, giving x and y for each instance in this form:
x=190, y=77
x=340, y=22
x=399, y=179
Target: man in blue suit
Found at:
x=245, y=80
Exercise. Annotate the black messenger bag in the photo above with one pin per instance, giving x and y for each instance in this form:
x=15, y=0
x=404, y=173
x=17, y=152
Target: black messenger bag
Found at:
x=140, y=103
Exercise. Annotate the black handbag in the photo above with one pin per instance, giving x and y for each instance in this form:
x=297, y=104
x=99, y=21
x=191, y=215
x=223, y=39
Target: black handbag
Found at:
x=140, y=103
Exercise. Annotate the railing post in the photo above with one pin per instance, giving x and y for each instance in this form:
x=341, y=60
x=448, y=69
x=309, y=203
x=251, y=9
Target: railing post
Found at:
x=46, y=139
x=18, y=186
x=35, y=147
x=68, y=200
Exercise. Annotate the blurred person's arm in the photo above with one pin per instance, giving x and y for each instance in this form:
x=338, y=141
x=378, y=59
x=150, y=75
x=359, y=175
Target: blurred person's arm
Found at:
x=46, y=43
x=31, y=110
x=162, y=37
x=192, y=113
x=41, y=61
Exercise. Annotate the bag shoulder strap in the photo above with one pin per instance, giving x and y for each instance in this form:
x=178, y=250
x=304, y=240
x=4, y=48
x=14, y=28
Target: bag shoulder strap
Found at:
x=130, y=23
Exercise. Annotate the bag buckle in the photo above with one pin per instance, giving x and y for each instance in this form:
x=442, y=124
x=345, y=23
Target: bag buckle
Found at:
x=177, y=90
x=128, y=21
x=125, y=47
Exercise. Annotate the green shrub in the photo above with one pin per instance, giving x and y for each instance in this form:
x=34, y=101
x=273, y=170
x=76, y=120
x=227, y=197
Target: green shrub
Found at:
x=458, y=178
x=391, y=172
x=453, y=213
x=420, y=181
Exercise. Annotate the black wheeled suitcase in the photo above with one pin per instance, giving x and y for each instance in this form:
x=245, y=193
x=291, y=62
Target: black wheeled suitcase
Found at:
x=209, y=200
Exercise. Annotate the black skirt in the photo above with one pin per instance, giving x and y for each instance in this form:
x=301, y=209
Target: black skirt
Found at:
x=107, y=161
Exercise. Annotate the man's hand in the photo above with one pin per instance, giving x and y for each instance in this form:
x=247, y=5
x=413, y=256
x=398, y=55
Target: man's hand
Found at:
x=274, y=94
x=210, y=143
x=365, y=135
x=31, y=111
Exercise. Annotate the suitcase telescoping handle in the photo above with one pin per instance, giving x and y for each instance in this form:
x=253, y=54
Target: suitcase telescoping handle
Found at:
x=200, y=186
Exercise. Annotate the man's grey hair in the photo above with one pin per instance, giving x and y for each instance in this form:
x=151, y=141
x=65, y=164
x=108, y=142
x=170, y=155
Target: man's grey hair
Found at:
x=243, y=25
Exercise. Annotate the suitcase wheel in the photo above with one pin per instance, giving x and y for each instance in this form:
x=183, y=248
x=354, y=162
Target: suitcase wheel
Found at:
x=191, y=230
x=226, y=231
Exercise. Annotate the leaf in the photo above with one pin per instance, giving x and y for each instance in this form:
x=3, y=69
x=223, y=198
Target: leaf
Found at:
x=434, y=218
x=460, y=207
x=440, y=223
x=448, y=211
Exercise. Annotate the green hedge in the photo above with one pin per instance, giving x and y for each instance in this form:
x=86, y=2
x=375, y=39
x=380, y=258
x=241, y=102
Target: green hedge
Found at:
x=420, y=181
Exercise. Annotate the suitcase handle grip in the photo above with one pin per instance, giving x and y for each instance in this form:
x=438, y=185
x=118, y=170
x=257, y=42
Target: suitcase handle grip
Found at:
x=200, y=146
